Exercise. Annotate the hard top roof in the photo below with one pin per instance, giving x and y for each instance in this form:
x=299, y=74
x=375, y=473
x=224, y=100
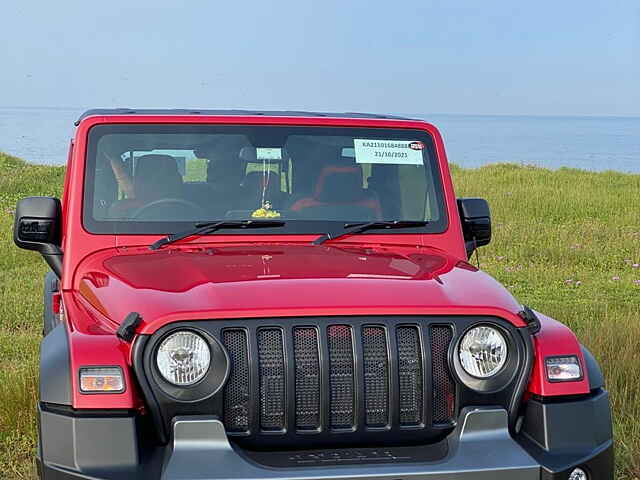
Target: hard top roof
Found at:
x=266, y=113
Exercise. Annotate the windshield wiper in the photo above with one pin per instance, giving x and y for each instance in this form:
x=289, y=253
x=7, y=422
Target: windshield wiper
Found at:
x=210, y=227
x=352, y=228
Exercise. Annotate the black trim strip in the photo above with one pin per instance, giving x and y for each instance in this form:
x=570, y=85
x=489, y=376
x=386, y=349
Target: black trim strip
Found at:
x=524, y=375
x=69, y=411
x=151, y=401
x=567, y=398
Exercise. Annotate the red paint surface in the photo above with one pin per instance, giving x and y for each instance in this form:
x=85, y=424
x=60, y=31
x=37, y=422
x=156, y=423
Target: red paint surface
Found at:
x=96, y=345
x=555, y=339
x=245, y=280
x=226, y=276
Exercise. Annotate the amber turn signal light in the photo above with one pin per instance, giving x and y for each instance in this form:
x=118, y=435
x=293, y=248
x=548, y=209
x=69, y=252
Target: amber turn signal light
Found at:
x=101, y=380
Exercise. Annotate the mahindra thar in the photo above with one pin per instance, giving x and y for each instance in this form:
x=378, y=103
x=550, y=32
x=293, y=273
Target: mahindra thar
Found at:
x=288, y=296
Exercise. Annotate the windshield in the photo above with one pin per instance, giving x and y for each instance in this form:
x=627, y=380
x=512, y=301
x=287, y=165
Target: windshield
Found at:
x=158, y=179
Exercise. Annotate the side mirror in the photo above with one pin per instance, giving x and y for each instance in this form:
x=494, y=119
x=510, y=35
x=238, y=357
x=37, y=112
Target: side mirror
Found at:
x=476, y=222
x=37, y=227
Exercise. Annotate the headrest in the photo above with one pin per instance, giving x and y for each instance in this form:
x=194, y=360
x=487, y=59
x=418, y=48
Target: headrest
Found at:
x=224, y=169
x=156, y=177
x=339, y=184
x=147, y=164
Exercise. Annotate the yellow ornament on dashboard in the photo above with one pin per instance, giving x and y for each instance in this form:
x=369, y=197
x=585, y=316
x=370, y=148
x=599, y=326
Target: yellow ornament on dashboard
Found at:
x=265, y=212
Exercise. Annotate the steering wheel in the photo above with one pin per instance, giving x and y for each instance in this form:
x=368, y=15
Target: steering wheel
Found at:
x=161, y=204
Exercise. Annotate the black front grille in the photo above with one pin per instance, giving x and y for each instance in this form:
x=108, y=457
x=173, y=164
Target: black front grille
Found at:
x=410, y=374
x=376, y=376
x=443, y=388
x=325, y=378
x=341, y=377
x=236, y=392
x=271, y=375
x=307, y=360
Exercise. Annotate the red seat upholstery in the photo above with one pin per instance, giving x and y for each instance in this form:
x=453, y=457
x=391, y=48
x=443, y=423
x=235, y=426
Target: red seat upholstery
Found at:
x=339, y=195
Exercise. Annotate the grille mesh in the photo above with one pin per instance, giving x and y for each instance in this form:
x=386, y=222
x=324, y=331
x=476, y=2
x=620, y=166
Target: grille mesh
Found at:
x=341, y=388
x=272, y=390
x=236, y=393
x=410, y=375
x=443, y=387
x=376, y=376
x=307, y=365
x=322, y=395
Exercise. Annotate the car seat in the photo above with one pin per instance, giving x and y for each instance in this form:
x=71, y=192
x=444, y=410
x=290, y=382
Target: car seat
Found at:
x=339, y=195
x=155, y=177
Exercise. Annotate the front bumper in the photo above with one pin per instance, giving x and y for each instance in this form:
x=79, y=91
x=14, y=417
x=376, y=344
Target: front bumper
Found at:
x=481, y=447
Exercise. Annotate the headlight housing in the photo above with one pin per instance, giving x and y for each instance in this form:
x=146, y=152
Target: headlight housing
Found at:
x=482, y=351
x=183, y=358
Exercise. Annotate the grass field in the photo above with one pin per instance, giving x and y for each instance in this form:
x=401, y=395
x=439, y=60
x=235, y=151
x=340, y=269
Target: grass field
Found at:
x=566, y=243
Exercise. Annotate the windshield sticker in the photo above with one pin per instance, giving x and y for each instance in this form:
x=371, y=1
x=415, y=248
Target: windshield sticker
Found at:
x=263, y=153
x=395, y=152
x=348, y=152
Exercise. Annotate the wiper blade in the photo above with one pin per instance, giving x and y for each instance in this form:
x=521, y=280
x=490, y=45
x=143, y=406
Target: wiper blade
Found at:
x=352, y=228
x=210, y=227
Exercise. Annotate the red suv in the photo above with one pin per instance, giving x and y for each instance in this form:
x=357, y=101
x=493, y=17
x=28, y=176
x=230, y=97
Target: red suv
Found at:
x=287, y=295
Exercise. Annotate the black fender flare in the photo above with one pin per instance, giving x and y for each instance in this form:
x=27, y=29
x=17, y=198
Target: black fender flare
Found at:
x=51, y=285
x=55, y=367
x=596, y=379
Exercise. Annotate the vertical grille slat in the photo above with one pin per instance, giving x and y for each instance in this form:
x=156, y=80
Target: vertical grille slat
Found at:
x=307, y=377
x=272, y=379
x=443, y=386
x=236, y=392
x=376, y=376
x=410, y=375
x=341, y=376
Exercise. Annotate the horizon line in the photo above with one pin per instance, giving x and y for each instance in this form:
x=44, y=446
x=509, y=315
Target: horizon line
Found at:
x=421, y=115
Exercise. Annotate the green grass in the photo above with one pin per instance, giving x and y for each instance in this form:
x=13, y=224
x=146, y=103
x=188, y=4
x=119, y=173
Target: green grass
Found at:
x=21, y=275
x=564, y=243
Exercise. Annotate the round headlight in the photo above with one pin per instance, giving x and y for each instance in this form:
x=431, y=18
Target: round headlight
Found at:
x=483, y=351
x=183, y=358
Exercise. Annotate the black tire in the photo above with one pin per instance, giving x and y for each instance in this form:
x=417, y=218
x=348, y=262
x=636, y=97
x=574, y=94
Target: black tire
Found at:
x=51, y=286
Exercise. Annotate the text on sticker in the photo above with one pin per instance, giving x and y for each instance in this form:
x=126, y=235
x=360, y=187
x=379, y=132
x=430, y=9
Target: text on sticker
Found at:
x=394, y=152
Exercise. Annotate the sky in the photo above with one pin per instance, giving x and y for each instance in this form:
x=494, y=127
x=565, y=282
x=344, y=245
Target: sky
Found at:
x=500, y=57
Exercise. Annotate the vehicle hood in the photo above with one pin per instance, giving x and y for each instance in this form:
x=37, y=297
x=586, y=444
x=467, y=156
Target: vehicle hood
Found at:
x=266, y=280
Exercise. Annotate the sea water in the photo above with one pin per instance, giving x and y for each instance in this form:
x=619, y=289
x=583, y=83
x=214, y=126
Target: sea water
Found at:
x=42, y=135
